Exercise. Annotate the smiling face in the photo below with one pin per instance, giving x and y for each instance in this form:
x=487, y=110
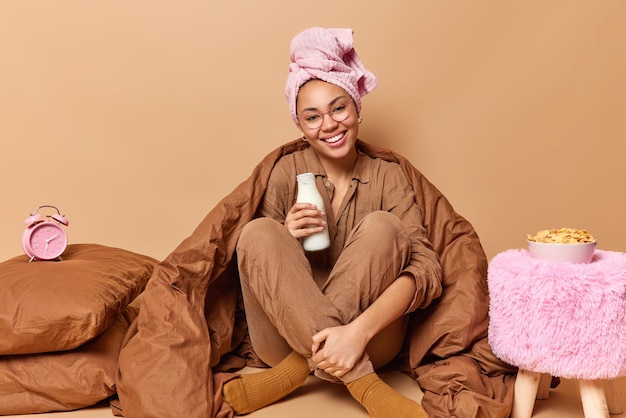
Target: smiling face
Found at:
x=333, y=142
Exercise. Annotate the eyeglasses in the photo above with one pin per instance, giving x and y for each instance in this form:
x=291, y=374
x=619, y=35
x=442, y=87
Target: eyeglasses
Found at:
x=314, y=119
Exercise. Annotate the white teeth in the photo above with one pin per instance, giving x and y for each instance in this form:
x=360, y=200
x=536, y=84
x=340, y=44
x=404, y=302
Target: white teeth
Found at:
x=333, y=139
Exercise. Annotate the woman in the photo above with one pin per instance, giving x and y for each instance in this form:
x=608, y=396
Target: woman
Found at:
x=339, y=312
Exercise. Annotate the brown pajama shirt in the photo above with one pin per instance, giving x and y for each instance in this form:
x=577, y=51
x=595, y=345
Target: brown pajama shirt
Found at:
x=376, y=235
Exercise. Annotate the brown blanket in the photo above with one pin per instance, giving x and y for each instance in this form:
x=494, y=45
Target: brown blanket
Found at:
x=189, y=325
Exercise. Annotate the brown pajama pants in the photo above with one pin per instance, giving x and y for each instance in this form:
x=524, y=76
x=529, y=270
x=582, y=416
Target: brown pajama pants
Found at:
x=287, y=302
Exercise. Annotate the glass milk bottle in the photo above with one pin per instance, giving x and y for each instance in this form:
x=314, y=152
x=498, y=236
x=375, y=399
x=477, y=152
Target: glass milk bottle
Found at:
x=308, y=193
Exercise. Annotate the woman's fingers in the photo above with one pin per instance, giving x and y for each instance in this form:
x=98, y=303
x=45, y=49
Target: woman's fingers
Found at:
x=318, y=342
x=335, y=362
x=304, y=219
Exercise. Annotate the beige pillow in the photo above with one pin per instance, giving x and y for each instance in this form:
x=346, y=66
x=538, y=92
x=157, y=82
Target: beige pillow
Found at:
x=65, y=380
x=59, y=305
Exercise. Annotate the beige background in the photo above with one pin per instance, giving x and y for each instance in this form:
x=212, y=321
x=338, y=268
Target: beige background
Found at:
x=136, y=117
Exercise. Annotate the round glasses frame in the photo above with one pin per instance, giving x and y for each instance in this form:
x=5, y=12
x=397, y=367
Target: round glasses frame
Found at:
x=315, y=119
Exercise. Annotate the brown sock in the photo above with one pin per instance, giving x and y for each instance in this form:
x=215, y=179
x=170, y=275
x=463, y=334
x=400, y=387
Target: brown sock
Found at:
x=382, y=401
x=253, y=391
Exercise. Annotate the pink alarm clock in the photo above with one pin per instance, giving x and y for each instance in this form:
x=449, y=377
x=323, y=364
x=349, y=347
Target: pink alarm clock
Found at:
x=45, y=238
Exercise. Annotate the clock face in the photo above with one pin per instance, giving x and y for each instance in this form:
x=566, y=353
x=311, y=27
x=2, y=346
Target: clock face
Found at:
x=45, y=241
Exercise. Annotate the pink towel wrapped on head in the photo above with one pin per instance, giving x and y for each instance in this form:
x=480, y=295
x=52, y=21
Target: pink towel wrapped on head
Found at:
x=328, y=55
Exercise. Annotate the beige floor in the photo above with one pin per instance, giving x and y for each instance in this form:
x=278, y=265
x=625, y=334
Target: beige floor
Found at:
x=319, y=399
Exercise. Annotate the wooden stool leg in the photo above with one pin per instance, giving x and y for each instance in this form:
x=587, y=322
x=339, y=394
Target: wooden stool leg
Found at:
x=593, y=398
x=613, y=397
x=543, y=392
x=526, y=385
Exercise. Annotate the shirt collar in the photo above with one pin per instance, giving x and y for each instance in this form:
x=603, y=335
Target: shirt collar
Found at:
x=362, y=170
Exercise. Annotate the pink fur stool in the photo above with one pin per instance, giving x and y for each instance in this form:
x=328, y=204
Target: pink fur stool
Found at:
x=560, y=319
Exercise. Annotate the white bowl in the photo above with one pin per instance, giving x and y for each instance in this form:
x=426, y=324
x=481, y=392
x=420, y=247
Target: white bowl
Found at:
x=572, y=253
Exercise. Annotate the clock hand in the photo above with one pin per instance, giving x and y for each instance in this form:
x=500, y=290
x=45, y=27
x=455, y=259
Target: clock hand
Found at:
x=51, y=238
x=48, y=241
